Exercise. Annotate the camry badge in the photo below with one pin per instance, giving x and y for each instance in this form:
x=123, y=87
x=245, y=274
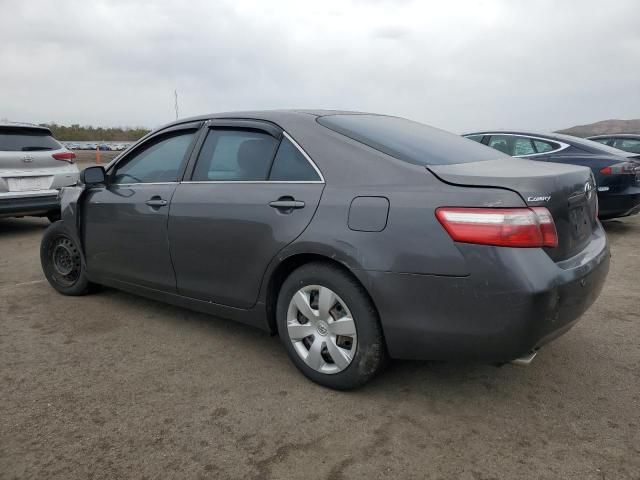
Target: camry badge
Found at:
x=545, y=198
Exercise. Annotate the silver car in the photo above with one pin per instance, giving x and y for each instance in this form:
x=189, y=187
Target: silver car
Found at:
x=33, y=168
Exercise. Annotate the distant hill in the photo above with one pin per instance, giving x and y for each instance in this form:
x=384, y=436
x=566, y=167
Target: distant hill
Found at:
x=604, y=127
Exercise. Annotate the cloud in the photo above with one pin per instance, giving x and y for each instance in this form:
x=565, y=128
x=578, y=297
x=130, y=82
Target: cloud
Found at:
x=461, y=65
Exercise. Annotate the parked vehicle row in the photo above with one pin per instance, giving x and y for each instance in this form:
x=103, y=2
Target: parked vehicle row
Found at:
x=33, y=168
x=616, y=172
x=96, y=146
x=354, y=237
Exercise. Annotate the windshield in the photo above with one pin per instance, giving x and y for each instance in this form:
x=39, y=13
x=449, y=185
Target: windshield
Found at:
x=25, y=140
x=409, y=141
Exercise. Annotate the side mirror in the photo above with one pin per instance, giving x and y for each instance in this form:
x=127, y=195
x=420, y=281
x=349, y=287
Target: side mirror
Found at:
x=91, y=176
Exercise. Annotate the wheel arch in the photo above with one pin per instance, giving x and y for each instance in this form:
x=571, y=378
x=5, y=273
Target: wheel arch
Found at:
x=286, y=267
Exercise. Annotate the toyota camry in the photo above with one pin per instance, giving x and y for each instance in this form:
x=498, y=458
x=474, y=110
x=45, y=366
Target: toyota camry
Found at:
x=354, y=237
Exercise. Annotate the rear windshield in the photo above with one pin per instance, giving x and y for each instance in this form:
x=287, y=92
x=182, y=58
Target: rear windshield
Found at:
x=410, y=141
x=26, y=140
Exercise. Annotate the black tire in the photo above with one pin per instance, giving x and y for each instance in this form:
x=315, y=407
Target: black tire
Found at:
x=54, y=216
x=62, y=262
x=370, y=355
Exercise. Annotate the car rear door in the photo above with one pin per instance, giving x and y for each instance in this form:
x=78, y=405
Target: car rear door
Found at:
x=249, y=192
x=125, y=222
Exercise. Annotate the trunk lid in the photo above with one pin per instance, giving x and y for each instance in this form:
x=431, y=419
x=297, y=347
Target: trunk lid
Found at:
x=567, y=191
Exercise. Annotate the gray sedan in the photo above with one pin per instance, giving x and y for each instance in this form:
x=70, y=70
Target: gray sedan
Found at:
x=354, y=237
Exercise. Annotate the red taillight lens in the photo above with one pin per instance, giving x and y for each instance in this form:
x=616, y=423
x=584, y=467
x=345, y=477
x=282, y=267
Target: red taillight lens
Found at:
x=624, y=168
x=65, y=156
x=504, y=227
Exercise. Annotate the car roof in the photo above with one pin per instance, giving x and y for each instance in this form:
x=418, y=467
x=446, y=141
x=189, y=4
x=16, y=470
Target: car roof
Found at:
x=24, y=126
x=615, y=135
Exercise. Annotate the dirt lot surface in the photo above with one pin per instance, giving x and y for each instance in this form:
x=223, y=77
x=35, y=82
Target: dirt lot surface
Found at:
x=115, y=386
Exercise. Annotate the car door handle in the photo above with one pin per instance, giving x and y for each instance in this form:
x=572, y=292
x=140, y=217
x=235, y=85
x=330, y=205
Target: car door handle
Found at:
x=156, y=202
x=287, y=204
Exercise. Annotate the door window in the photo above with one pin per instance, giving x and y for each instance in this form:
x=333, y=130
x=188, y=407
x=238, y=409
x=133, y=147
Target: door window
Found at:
x=544, y=147
x=235, y=155
x=512, y=145
x=290, y=165
x=160, y=161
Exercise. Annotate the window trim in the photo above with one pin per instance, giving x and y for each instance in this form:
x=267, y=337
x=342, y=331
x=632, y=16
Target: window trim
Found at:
x=563, y=145
x=262, y=182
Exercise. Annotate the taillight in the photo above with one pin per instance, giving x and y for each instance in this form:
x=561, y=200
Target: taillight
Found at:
x=65, y=156
x=625, y=168
x=504, y=227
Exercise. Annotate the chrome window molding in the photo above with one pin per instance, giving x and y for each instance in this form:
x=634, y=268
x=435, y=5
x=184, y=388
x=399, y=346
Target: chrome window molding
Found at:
x=142, y=183
x=316, y=182
x=301, y=150
x=562, y=144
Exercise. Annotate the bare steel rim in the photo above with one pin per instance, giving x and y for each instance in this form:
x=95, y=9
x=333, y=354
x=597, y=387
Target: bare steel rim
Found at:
x=66, y=261
x=322, y=329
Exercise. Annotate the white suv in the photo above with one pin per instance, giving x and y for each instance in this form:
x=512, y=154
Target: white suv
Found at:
x=33, y=167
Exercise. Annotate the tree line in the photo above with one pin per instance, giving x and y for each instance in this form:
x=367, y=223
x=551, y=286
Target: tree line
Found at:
x=81, y=133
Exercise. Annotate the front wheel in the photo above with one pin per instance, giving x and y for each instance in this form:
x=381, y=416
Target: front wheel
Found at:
x=61, y=261
x=330, y=327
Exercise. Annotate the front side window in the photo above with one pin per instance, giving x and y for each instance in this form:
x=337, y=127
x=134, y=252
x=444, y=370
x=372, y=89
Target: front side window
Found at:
x=475, y=138
x=604, y=141
x=160, y=161
x=235, y=155
x=290, y=165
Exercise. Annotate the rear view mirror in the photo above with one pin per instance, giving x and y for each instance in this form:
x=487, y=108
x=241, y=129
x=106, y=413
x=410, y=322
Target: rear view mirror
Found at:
x=93, y=176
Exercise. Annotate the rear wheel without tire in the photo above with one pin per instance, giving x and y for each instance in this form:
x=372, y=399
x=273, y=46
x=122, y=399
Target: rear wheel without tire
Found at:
x=329, y=326
x=61, y=261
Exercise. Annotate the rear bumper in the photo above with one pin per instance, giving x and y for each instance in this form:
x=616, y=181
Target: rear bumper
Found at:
x=620, y=204
x=514, y=301
x=29, y=204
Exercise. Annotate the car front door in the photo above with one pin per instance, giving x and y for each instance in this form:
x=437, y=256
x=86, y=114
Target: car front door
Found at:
x=125, y=222
x=251, y=191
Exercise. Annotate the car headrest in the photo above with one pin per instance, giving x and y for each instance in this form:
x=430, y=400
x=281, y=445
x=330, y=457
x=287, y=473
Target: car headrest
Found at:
x=251, y=159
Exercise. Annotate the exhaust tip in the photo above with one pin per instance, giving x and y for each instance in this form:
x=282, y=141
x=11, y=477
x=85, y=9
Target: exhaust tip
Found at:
x=525, y=360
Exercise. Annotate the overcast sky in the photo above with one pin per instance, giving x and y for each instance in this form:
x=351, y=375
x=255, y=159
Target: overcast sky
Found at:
x=459, y=65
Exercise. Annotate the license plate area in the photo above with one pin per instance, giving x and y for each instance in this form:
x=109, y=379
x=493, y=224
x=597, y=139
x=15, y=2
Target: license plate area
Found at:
x=29, y=184
x=579, y=221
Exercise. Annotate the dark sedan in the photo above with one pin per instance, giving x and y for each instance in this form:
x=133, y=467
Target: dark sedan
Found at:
x=623, y=141
x=617, y=173
x=355, y=237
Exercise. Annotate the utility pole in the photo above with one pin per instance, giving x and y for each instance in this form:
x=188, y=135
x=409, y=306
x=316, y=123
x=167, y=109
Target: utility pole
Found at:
x=175, y=94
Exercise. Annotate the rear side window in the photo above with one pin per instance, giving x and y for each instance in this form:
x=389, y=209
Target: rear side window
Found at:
x=160, y=160
x=475, y=138
x=290, y=165
x=543, y=147
x=26, y=140
x=235, y=155
x=406, y=140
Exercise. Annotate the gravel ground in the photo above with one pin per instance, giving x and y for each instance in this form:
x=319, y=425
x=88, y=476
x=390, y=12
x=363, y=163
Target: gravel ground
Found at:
x=115, y=386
